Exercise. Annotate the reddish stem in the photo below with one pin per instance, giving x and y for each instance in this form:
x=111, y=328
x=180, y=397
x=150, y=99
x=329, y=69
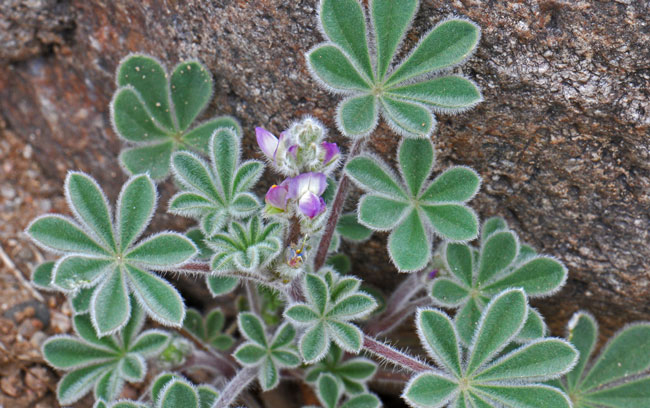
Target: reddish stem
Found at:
x=335, y=213
x=398, y=358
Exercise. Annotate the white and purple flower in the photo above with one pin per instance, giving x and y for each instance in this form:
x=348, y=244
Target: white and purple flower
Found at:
x=307, y=189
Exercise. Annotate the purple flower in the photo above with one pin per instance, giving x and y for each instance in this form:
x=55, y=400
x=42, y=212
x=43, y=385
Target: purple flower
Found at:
x=307, y=189
x=277, y=196
x=272, y=147
x=331, y=154
x=432, y=274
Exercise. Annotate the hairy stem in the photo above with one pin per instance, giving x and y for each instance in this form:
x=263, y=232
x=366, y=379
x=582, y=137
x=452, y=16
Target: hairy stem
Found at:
x=397, y=358
x=236, y=386
x=337, y=208
x=405, y=291
x=253, y=297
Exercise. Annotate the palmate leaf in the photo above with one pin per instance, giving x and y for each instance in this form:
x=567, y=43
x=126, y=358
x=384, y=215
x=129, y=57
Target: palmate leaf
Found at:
x=475, y=276
x=618, y=377
x=103, y=262
x=333, y=302
x=329, y=393
x=209, y=329
x=481, y=373
x=353, y=373
x=217, y=192
x=153, y=112
x=245, y=247
x=105, y=363
x=403, y=92
x=268, y=353
x=412, y=209
x=170, y=390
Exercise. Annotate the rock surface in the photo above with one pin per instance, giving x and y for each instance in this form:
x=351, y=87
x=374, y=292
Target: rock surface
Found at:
x=561, y=140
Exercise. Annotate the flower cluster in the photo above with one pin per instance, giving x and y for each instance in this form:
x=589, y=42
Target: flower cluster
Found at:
x=300, y=153
x=300, y=149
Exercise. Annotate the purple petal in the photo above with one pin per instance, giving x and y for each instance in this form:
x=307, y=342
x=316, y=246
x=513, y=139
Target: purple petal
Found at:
x=293, y=150
x=311, y=205
x=277, y=196
x=267, y=142
x=331, y=152
x=433, y=274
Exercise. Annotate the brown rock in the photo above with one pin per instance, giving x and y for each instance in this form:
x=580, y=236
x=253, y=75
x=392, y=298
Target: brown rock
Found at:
x=60, y=323
x=561, y=140
x=37, y=379
x=11, y=384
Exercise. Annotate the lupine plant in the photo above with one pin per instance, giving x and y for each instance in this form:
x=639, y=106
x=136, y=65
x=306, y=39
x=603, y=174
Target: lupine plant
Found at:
x=103, y=363
x=501, y=262
x=292, y=307
x=619, y=376
x=153, y=111
x=329, y=393
x=170, y=391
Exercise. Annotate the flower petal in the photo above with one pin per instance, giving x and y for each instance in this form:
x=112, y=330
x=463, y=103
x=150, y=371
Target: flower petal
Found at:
x=277, y=196
x=267, y=142
x=331, y=152
x=311, y=205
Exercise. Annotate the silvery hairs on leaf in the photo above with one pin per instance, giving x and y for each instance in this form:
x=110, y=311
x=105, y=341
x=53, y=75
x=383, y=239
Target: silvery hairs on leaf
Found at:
x=411, y=207
x=483, y=374
x=154, y=111
x=170, y=390
x=103, y=364
x=351, y=373
x=501, y=262
x=268, y=353
x=329, y=392
x=245, y=247
x=101, y=258
x=217, y=285
x=618, y=377
x=333, y=301
x=100, y=403
x=407, y=92
x=215, y=193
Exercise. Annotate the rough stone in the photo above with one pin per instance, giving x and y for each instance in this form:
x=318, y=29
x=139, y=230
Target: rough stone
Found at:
x=561, y=140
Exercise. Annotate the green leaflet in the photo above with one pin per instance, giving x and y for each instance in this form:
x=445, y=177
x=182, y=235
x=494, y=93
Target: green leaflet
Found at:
x=480, y=374
x=618, y=376
x=269, y=353
x=404, y=91
x=215, y=193
x=102, y=261
x=412, y=208
x=351, y=230
x=103, y=363
x=153, y=112
x=501, y=262
x=332, y=303
x=172, y=391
